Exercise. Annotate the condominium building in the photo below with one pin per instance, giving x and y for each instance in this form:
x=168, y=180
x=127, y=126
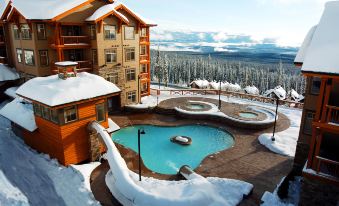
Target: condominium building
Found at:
x=105, y=38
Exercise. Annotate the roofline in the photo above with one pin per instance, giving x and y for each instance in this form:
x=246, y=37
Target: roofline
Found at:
x=6, y=9
x=110, y=13
x=58, y=17
x=324, y=74
x=71, y=103
x=122, y=6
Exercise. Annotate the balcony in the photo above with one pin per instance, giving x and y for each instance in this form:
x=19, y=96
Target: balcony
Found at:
x=143, y=76
x=144, y=40
x=71, y=42
x=327, y=167
x=144, y=59
x=83, y=66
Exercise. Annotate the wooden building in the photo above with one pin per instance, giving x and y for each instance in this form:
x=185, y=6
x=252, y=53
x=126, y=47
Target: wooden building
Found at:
x=103, y=37
x=63, y=105
x=317, y=155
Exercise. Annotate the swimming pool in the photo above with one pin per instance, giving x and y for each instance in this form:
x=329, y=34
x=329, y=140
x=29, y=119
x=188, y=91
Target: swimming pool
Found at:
x=165, y=157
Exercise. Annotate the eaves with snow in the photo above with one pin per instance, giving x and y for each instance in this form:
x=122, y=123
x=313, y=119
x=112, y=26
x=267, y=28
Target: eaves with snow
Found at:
x=320, y=49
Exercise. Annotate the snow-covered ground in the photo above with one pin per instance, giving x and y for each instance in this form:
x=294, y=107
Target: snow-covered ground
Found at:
x=29, y=178
x=270, y=199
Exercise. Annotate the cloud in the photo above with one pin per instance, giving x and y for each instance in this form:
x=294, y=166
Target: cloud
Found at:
x=202, y=35
x=221, y=36
x=161, y=36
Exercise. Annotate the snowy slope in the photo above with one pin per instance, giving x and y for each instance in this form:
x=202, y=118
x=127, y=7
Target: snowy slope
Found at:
x=38, y=178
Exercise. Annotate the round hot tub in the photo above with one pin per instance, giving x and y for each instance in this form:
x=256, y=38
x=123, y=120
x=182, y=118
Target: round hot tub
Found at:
x=248, y=115
x=196, y=106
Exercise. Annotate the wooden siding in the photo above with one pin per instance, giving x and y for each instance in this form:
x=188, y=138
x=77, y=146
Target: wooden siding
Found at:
x=68, y=143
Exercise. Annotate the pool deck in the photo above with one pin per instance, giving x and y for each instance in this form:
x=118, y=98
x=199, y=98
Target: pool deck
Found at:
x=248, y=160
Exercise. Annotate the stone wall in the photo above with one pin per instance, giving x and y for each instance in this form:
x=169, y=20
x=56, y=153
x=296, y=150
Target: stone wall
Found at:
x=94, y=147
x=316, y=192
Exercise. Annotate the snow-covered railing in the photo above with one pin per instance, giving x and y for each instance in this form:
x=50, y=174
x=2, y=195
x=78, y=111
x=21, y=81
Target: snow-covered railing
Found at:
x=228, y=93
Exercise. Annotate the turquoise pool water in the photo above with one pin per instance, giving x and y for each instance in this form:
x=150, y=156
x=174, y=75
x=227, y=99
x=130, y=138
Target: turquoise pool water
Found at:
x=163, y=156
x=248, y=115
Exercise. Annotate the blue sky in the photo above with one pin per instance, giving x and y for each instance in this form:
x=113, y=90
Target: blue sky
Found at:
x=287, y=21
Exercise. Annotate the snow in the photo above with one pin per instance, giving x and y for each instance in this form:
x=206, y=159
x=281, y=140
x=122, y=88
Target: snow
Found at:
x=53, y=91
x=7, y=73
x=112, y=126
x=66, y=63
x=202, y=84
x=86, y=170
x=9, y=194
x=270, y=199
x=25, y=109
x=11, y=92
x=40, y=179
x=125, y=186
x=44, y=9
x=233, y=87
x=278, y=91
x=305, y=45
x=102, y=11
x=251, y=90
x=322, y=54
x=181, y=139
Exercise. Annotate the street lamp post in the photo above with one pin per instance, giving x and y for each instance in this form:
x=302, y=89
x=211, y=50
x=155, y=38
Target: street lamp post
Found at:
x=275, y=120
x=219, y=95
x=140, y=132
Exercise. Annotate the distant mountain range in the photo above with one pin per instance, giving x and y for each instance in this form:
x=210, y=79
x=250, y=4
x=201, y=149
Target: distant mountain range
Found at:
x=223, y=45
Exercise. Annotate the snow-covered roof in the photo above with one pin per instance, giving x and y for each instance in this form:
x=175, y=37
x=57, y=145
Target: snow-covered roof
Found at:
x=20, y=112
x=305, y=45
x=44, y=9
x=322, y=54
x=278, y=91
x=200, y=83
x=53, y=91
x=7, y=73
x=251, y=90
x=119, y=5
x=104, y=10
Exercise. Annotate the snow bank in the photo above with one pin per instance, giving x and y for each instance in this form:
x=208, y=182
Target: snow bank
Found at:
x=271, y=199
x=86, y=170
x=54, y=91
x=278, y=91
x=7, y=73
x=202, y=84
x=9, y=194
x=251, y=90
x=42, y=180
x=128, y=190
x=20, y=112
x=11, y=92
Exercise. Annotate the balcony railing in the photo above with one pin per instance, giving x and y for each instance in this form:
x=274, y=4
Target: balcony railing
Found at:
x=144, y=39
x=332, y=114
x=83, y=66
x=327, y=167
x=71, y=40
x=144, y=58
x=143, y=76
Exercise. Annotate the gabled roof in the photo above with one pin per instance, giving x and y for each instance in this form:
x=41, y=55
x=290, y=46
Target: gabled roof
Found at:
x=53, y=91
x=105, y=11
x=138, y=17
x=45, y=9
x=299, y=59
x=321, y=56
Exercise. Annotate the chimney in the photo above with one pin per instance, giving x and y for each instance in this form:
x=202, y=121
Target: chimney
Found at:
x=66, y=69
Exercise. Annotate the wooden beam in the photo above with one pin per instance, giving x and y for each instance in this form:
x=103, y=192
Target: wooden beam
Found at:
x=72, y=10
x=326, y=97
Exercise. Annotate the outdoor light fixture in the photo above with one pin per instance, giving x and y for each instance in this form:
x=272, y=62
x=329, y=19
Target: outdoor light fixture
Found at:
x=275, y=120
x=140, y=132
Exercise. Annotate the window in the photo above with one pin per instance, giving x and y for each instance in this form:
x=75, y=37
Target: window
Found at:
x=130, y=74
x=131, y=96
x=43, y=58
x=110, y=32
x=101, y=112
x=129, y=32
x=26, y=32
x=143, y=32
x=308, y=122
x=70, y=114
x=41, y=31
x=45, y=112
x=92, y=31
x=130, y=54
x=113, y=77
x=111, y=55
x=37, y=109
x=29, y=57
x=94, y=56
x=143, y=50
x=16, y=32
x=55, y=116
x=19, y=55
x=315, y=87
x=144, y=68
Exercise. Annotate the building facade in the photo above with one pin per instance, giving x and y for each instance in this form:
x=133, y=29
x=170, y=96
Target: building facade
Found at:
x=104, y=37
